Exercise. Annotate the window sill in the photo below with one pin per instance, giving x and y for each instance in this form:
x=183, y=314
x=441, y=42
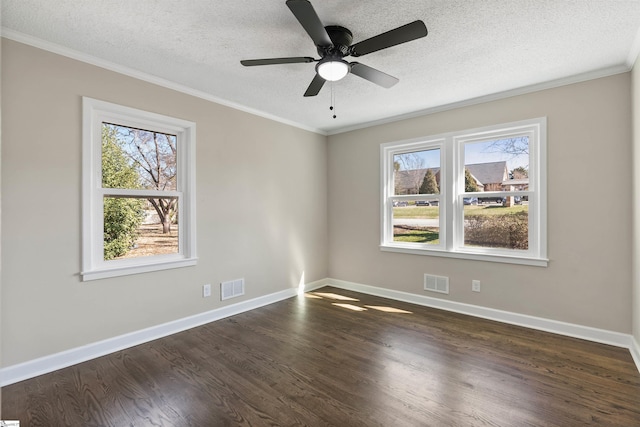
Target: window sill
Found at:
x=136, y=269
x=507, y=259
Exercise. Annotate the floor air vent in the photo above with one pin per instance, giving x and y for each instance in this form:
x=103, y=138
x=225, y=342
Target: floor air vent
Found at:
x=436, y=283
x=231, y=289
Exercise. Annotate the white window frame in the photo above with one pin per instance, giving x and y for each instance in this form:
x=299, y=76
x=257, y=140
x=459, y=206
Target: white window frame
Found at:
x=451, y=233
x=95, y=113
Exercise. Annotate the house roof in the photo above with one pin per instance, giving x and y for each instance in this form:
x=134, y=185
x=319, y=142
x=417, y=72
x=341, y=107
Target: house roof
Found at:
x=489, y=173
x=484, y=173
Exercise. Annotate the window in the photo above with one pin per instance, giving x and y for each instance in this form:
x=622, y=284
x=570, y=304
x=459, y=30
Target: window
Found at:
x=477, y=194
x=138, y=191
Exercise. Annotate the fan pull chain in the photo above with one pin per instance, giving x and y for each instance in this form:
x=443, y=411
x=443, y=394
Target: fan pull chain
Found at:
x=333, y=102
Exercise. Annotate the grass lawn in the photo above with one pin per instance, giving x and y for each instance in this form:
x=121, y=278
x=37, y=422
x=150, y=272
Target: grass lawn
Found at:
x=473, y=210
x=404, y=233
x=487, y=215
x=416, y=212
x=427, y=212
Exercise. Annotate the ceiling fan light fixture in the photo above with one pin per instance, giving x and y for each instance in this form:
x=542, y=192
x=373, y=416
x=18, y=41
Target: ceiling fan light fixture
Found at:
x=333, y=43
x=333, y=69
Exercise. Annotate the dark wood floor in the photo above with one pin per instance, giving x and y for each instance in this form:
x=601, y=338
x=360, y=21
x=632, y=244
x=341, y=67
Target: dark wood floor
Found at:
x=307, y=361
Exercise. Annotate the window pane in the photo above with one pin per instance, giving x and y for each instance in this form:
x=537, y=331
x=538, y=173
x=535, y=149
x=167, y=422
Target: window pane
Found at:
x=496, y=221
x=417, y=172
x=416, y=223
x=138, y=159
x=497, y=226
x=497, y=165
x=138, y=227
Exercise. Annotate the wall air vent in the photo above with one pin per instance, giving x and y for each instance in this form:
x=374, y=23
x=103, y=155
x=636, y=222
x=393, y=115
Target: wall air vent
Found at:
x=436, y=283
x=231, y=289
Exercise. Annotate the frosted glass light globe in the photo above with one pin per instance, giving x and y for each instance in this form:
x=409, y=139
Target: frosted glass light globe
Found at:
x=333, y=70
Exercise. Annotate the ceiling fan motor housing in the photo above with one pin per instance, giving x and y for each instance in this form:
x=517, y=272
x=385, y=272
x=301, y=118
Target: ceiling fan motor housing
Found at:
x=340, y=37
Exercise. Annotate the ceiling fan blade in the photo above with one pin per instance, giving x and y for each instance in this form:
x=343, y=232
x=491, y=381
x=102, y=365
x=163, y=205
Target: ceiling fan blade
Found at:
x=406, y=33
x=308, y=18
x=315, y=86
x=273, y=61
x=373, y=75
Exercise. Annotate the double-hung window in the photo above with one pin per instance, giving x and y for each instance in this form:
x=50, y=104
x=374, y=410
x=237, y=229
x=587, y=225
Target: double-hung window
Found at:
x=476, y=194
x=138, y=191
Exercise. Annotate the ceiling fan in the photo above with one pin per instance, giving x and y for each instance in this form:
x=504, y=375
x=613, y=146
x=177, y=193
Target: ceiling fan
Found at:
x=334, y=43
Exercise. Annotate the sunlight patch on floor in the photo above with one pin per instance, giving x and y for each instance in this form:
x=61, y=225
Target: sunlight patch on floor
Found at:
x=331, y=295
x=388, y=309
x=334, y=296
x=349, y=306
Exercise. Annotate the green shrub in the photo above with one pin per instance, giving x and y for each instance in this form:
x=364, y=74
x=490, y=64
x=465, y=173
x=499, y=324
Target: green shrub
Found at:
x=509, y=231
x=122, y=216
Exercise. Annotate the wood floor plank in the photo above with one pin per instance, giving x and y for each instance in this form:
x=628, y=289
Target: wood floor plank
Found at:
x=306, y=361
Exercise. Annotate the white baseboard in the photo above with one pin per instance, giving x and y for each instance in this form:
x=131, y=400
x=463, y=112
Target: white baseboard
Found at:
x=562, y=328
x=46, y=364
x=50, y=363
x=635, y=351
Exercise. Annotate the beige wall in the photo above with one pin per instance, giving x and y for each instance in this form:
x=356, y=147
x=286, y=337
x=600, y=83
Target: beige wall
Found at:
x=0, y=224
x=261, y=208
x=588, y=280
x=635, y=76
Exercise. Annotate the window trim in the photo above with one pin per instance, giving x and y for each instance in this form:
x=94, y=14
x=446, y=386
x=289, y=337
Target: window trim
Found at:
x=452, y=192
x=95, y=112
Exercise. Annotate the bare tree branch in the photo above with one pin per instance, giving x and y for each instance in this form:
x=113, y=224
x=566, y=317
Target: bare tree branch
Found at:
x=154, y=155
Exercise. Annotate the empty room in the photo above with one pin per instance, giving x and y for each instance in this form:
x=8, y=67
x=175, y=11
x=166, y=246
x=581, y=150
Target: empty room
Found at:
x=316, y=213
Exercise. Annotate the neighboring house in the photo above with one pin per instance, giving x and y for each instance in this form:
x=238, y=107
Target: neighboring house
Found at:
x=492, y=176
x=516, y=184
x=479, y=184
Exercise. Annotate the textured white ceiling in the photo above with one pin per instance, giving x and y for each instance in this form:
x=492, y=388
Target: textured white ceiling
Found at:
x=474, y=48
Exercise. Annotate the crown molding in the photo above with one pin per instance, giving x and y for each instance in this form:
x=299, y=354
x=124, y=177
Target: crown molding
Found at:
x=149, y=78
x=578, y=78
x=90, y=59
x=634, y=52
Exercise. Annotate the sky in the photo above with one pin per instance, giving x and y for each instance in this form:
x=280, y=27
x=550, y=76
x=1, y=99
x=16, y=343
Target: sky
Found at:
x=485, y=152
x=477, y=152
